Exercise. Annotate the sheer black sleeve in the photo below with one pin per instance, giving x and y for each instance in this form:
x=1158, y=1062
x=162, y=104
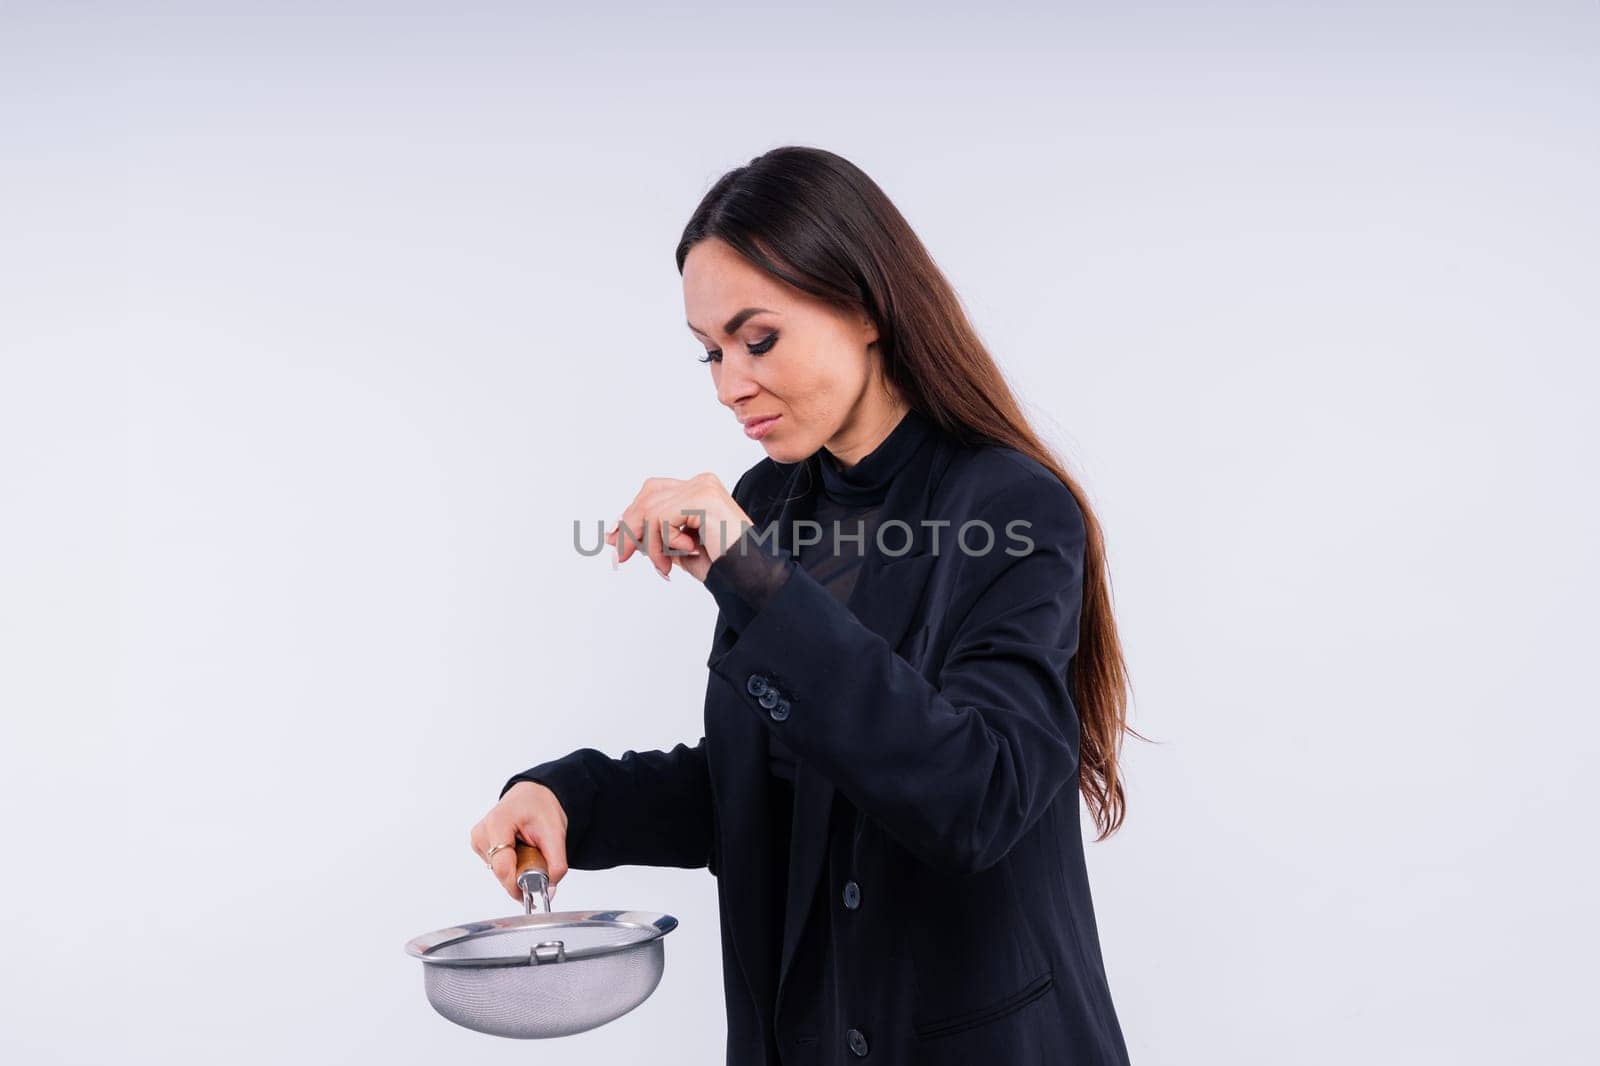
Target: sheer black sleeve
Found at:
x=746, y=577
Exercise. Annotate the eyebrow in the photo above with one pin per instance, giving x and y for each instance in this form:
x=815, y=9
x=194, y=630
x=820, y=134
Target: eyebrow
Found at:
x=736, y=321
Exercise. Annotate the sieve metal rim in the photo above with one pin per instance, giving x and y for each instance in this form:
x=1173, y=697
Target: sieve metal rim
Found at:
x=654, y=924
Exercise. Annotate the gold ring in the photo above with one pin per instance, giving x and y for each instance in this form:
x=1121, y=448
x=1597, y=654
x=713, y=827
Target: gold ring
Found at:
x=489, y=855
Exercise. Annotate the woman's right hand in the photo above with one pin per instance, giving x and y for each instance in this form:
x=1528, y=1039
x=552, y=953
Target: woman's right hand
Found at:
x=529, y=811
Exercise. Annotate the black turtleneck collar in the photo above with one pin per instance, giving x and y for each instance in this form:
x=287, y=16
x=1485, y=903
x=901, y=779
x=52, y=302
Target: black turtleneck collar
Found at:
x=868, y=480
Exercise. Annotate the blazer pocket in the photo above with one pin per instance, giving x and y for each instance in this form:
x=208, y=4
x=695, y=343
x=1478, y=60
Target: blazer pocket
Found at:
x=951, y=1024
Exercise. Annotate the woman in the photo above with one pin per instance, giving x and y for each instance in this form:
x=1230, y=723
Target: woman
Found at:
x=914, y=657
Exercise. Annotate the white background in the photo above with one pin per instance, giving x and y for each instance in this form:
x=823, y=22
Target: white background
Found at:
x=317, y=332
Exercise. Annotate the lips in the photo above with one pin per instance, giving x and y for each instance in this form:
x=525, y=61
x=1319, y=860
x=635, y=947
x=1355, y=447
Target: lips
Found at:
x=756, y=428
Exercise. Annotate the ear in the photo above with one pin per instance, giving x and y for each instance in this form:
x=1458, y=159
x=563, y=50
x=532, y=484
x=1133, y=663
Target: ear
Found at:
x=869, y=331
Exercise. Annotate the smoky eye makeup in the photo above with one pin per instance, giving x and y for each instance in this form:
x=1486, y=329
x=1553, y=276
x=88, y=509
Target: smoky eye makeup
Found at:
x=761, y=347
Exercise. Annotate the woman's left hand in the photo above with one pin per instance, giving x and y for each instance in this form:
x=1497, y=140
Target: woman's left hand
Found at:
x=700, y=516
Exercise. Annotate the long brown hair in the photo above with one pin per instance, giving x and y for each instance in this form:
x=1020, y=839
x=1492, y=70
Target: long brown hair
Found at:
x=817, y=222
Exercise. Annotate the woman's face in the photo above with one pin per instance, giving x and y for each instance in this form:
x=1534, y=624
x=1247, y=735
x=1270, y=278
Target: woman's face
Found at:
x=796, y=372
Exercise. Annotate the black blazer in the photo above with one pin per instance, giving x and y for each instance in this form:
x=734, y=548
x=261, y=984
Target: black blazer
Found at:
x=934, y=703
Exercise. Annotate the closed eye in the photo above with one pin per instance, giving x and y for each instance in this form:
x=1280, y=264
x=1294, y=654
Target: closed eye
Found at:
x=761, y=347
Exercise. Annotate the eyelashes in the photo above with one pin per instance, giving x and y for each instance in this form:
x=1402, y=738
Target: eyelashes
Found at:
x=762, y=347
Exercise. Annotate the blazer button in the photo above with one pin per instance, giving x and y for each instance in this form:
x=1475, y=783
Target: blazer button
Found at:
x=769, y=699
x=852, y=895
x=780, y=710
x=756, y=685
x=858, y=1043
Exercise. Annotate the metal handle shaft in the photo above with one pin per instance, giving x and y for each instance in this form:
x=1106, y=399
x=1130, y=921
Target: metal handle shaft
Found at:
x=533, y=877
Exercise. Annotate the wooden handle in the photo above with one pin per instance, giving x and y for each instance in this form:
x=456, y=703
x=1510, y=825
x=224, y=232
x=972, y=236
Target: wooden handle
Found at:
x=530, y=857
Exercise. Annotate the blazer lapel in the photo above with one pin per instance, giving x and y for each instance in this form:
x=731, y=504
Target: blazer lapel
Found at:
x=884, y=600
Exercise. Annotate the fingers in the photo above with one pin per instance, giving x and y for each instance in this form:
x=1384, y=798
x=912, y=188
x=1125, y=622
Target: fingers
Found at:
x=685, y=550
x=670, y=520
x=639, y=517
x=529, y=812
x=498, y=828
x=656, y=547
x=551, y=839
x=504, y=865
x=642, y=524
x=627, y=535
x=682, y=539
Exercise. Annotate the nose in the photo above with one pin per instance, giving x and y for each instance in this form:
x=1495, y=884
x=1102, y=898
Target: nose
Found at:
x=735, y=383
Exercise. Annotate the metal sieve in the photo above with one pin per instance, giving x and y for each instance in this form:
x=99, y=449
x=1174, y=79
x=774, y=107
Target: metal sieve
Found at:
x=542, y=974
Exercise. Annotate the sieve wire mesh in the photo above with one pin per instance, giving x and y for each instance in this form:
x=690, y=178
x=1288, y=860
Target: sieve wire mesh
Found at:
x=545, y=999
